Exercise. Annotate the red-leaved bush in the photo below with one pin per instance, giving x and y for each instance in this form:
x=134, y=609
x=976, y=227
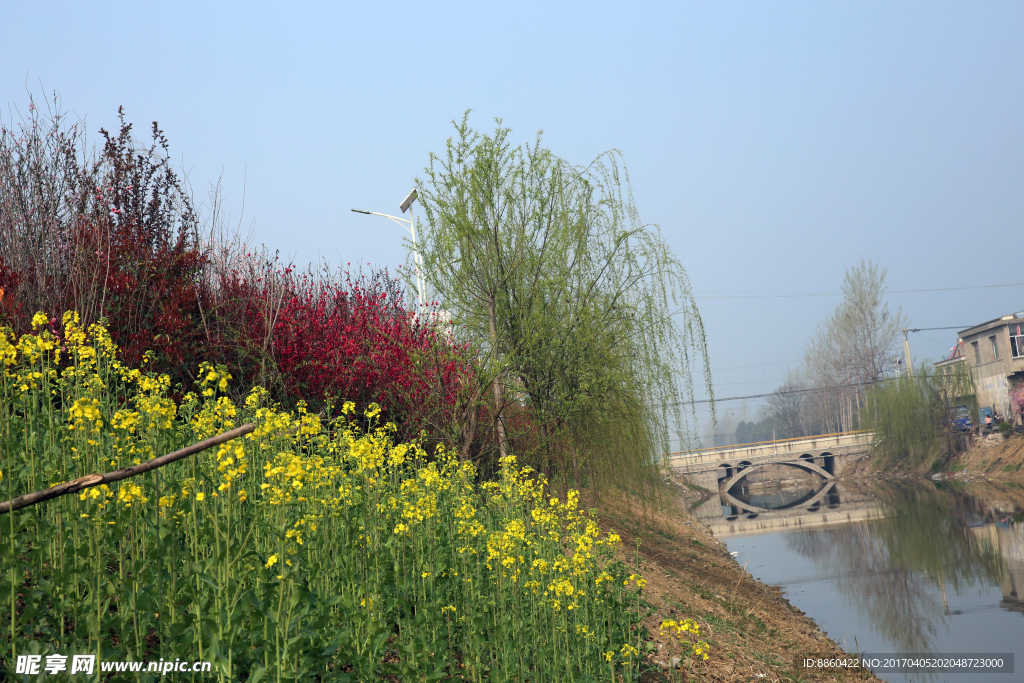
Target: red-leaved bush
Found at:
x=112, y=233
x=334, y=339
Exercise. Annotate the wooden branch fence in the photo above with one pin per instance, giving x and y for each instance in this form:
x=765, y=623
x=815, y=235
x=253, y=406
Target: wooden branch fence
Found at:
x=90, y=480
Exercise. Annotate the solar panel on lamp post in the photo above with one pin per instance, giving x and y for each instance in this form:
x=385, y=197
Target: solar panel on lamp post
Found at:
x=410, y=227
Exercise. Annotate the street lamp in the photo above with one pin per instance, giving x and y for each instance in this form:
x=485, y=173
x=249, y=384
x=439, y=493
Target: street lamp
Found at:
x=410, y=227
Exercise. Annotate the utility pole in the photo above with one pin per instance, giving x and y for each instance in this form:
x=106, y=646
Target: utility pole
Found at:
x=906, y=353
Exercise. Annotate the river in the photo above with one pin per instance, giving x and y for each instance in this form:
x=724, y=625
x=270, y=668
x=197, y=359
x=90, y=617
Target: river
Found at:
x=933, y=568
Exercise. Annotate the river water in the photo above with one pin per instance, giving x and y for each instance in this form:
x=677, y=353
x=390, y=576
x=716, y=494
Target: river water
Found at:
x=932, y=568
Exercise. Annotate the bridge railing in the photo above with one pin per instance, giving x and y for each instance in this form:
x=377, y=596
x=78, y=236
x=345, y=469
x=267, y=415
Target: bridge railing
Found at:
x=739, y=446
x=766, y=448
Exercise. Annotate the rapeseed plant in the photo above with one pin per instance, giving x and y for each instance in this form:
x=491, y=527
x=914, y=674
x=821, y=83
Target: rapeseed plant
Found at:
x=306, y=550
x=687, y=634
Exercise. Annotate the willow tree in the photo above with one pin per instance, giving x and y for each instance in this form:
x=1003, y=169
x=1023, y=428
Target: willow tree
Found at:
x=912, y=417
x=586, y=327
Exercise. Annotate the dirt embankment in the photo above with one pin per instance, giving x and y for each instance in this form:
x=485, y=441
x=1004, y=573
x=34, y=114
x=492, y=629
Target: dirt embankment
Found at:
x=992, y=457
x=755, y=634
x=989, y=457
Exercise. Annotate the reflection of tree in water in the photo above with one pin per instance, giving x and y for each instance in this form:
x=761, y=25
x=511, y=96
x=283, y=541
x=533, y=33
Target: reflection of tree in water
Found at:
x=882, y=567
x=897, y=603
x=927, y=531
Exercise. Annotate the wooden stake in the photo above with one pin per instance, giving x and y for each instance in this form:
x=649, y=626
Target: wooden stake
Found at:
x=90, y=480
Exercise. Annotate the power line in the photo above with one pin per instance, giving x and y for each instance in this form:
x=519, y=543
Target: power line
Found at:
x=800, y=360
x=727, y=384
x=742, y=295
x=780, y=393
x=744, y=367
x=926, y=329
x=755, y=381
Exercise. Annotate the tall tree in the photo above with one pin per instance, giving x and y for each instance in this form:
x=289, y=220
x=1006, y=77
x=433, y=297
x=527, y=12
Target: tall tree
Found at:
x=854, y=346
x=870, y=331
x=585, y=321
x=786, y=407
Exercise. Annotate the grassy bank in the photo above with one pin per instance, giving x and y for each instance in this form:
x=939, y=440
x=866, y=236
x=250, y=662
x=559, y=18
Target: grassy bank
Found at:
x=993, y=457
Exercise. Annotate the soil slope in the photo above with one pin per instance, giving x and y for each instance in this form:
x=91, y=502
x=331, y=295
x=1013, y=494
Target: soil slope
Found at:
x=993, y=457
x=754, y=632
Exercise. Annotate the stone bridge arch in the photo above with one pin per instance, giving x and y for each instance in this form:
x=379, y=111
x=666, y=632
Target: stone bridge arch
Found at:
x=812, y=503
x=802, y=463
x=714, y=467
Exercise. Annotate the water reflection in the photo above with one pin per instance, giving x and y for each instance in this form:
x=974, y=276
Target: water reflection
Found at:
x=916, y=567
x=773, y=507
x=924, y=539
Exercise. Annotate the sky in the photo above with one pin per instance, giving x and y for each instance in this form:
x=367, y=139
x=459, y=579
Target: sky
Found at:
x=774, y=144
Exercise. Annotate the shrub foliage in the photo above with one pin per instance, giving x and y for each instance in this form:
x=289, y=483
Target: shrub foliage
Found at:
x=110, y=234
x=912, y=416
x=113, y=235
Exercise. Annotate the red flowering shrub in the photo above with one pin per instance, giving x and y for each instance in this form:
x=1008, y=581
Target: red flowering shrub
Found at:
x=327, y=340
x=110, y=235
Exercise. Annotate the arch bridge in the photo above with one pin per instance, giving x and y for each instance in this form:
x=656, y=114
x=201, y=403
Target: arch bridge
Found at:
x=723, y=468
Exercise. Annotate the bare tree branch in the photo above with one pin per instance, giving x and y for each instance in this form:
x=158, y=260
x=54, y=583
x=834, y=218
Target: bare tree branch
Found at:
x=91, y=480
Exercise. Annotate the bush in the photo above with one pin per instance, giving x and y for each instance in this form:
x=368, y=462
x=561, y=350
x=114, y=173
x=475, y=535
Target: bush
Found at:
x=113, y=235
x=109, y=234
x=912, y=416
x=323, y=337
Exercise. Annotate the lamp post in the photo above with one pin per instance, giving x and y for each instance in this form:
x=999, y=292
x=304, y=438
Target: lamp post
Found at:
x=410, y=227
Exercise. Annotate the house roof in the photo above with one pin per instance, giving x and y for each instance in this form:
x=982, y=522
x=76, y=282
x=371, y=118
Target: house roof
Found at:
x=983, y=327
x=956, y=354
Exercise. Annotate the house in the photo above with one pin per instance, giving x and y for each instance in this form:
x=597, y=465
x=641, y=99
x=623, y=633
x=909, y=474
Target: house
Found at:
x=995, y=353
x=958, y=388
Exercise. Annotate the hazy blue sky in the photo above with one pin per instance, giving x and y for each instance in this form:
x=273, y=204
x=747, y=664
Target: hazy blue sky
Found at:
x=775, y=144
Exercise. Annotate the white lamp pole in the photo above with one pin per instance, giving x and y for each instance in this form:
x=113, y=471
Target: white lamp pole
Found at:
x=410, y=227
